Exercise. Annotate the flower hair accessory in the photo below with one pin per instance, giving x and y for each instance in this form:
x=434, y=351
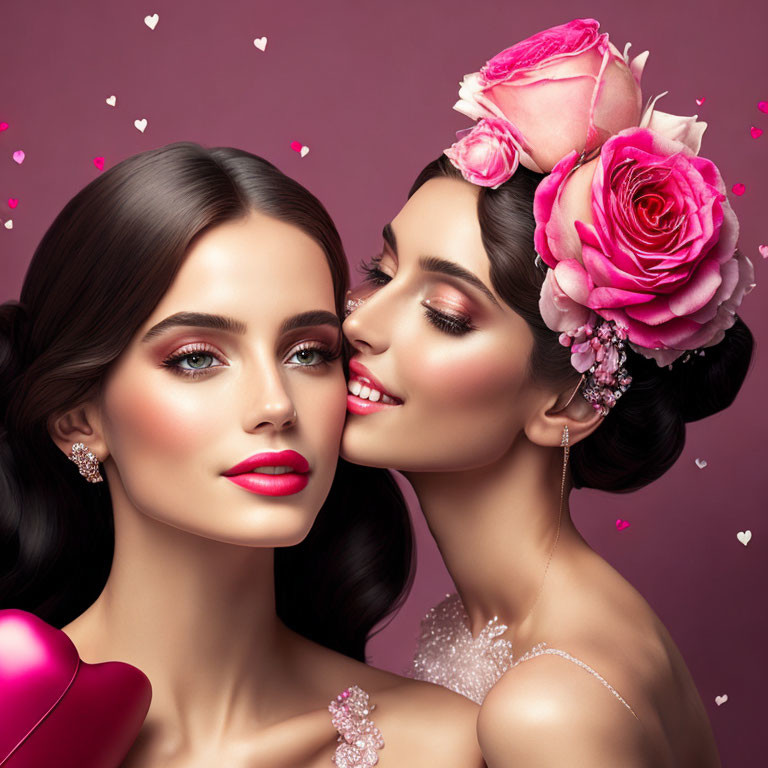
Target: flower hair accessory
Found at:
x=634, y=228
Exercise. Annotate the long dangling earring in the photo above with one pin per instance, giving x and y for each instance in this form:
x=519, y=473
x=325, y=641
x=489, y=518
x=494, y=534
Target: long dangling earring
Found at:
x=86, y=462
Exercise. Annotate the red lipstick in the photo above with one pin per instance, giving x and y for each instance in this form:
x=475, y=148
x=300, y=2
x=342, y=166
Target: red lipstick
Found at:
x=290, y=473
x=366, y=393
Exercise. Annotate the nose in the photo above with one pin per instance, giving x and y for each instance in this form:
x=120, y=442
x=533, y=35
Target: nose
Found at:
x=272, y=407
x=366, y=326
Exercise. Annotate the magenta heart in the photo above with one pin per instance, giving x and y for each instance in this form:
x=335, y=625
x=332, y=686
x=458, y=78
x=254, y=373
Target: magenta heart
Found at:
x=59, y=710
x=296, y=146
x=763, y=106
x=701, y=100
x=756, y=132
x=12, y=202
x=99, y=163
x=3, y=126
x=622, y=524
x=763, y=251
x=738, y=189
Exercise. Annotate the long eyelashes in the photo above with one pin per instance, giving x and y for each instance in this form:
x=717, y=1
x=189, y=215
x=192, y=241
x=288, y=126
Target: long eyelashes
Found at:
x=371, y=272
x=447, y=323
x=451, y=324
x=174, y=362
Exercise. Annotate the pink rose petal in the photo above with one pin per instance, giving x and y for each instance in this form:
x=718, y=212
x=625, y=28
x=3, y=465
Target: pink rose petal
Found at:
x=701, y=100
x=622, y=524
x=19, y=156
x=99, y=163
x=296, y=146
x=756, y=132
x=3, y=127
x=763, y=106
x=738, y=189
x=12, y=202
x=763, y=251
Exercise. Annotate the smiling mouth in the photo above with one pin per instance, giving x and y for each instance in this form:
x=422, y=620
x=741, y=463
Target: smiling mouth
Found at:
x=362, y=388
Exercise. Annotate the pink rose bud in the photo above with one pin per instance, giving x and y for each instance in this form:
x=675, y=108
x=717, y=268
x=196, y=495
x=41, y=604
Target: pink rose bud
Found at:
x=486, y=154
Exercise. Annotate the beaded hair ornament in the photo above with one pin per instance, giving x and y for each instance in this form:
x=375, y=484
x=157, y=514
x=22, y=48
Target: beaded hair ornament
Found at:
x=633, y=228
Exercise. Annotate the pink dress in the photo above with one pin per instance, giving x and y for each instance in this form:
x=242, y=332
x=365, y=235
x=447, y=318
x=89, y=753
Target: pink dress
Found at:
x=57, y=710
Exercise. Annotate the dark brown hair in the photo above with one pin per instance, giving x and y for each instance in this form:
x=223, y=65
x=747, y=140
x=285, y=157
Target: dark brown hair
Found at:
x=99, y=271
x=644, y=433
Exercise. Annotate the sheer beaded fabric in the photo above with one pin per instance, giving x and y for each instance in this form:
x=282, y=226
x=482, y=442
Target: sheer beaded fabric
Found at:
x=448, y=654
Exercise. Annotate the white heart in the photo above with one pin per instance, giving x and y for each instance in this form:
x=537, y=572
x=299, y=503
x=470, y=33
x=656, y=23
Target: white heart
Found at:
x=260, y=43
x=721, y=699
x=8, y=224
x=112, y=100
x=701, y=463
x=141, y=124
x=744, y=537
x=304, y=150
x=151, y=21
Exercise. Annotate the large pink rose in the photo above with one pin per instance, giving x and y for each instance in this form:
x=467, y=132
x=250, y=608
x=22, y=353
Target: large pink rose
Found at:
x=487, y=153
x=564, y=88
x=647, y=232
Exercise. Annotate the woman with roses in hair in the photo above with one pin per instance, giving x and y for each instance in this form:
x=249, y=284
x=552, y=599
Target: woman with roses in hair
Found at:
x=524, y=334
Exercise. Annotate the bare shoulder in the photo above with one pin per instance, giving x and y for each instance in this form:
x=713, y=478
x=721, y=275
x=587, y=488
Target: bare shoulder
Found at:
x=430, y=725
x=549, y=712
x=421, y=723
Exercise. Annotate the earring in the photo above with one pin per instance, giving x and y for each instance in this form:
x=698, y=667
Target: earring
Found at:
x=352, y=304
x=565, y=442
x=86, y=462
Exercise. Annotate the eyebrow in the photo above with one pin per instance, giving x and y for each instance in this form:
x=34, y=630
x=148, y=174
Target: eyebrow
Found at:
x=442, y=266
x=231, y=325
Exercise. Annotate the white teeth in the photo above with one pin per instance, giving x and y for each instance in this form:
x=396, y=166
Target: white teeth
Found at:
x=273, y=470
x=366, y=392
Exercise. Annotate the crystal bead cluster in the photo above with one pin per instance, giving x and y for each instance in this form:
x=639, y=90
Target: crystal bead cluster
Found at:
x=599, y=351
x=87, y=463
x=359, y=738
x=450, y=656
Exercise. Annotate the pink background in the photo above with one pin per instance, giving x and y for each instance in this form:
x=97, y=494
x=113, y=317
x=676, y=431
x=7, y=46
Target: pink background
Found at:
x=369, y=89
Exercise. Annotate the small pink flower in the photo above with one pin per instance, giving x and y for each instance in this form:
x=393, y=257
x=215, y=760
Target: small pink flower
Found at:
x=487, y=153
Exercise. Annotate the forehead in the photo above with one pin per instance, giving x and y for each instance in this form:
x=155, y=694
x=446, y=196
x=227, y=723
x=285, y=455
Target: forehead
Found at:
x=440, y=219
x=253, y=267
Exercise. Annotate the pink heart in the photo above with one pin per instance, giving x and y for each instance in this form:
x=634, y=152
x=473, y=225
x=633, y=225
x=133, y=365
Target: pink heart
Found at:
x=756, y=132
x=763, y=106
x=739, y=189
x=763, y=251
x=19, y=156
x=3, y=126
x=622, y=524
x=12, y=202
x=50, y=699
x=701, y=100
x=296, y=146
x=99, y=163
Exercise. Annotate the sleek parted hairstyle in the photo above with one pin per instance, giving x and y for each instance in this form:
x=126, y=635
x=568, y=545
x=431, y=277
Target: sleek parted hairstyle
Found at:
x=99, y=271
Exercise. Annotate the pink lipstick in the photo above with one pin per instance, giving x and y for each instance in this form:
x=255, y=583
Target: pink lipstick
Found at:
x=366, y=393
x=279, y=473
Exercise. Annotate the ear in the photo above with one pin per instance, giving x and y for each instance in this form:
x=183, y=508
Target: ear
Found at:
x=81, y=424
x=563, y=409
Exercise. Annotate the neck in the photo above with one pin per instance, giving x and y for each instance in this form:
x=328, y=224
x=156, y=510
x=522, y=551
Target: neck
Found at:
x=197, y=616
x=496, y=527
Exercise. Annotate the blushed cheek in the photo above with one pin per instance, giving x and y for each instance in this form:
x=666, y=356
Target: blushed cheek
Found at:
x=159, y=418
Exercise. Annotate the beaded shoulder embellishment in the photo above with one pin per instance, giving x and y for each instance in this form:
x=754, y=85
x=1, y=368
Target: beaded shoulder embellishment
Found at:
x=448, y=654
x=359, y=738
